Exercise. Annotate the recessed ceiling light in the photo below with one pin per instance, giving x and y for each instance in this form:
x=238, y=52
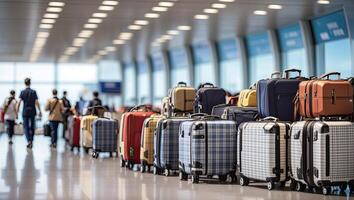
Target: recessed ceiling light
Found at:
x=54, y=9
x=118, y=42
x=141, y=22
x=79, y=40
x=110, y=3
x=260, y=12
x=275, y=6
x=210, y=10
x=48, y=21
x=166, y=4
x=102, y=52
x=106, y=8
x=125, y=36
x=90, y=26
x=160, y=40
x=72, y=49
x=218, y=5
x=227, y=1
x=134, y=27
x=152, y=15
x=172, y=32
x=56, y=3
x=86, y=33
x=99, y=15
x=42, y=34
x=95, y=20
x=160, y=9
x=323, y=2
x=184, y=28
x=46, y=26
x=201, y=17
x=110, y=49
x=167, y=37
x=51, y=15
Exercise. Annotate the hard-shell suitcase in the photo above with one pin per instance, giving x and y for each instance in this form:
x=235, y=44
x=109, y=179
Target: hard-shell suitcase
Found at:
x=74, y=123
x=182, y=98
x=129, y=148
x=166, y=145
x=275, y=97
x=86, y=131
x=263, y=152
x=321, y=155
x=237, y=114
x=248, y=98
x=207, y=147
x=323, y=98
x=147, y=142
x=207, y=97
x=105, y=133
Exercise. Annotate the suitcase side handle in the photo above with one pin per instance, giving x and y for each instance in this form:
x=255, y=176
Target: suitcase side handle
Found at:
x=287, y=72
x=274, y=119
x=206, y=85
x=326, y=76
x=198, y=115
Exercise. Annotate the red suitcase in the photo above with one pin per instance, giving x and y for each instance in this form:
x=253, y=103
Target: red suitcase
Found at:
x=130, y=138
x=74, y=132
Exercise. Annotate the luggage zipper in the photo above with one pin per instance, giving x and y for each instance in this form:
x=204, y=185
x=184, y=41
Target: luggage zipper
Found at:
x=305, y=98
x=310, y=99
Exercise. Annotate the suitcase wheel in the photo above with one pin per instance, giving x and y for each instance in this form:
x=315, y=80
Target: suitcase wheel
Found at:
x=142, y=168
x=183, y=176
x=166, y=172
x=326, y=190
x=232, y=178
x=155, y=170
x=95, y=154
x=270, y=185
x=222, y=178
x=130, y=164
x=244, y=181
x=195, y=179
x=122, y=163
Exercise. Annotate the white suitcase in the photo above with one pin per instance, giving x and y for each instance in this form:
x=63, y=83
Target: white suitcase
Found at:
x=327, y=157
x=263, y=152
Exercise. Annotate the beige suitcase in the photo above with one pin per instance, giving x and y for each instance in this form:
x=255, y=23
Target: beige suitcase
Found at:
x=182, y=98
x=86, y=131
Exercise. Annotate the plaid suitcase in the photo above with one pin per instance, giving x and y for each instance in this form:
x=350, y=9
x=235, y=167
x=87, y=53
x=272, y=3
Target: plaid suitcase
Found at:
x=147, y=142
x=263, y=152
x=104, y=133
x=325, y=159
x=207, y=147
x=86, y=131
x=207, y=97
x=166, y=145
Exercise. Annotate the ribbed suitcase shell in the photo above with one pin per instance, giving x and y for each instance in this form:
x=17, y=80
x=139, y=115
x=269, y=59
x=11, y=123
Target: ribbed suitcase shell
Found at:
x=166, y=143
x=132, y=123
x=332, y=151
x=248, y=98
x=86, y=130
x=147, y=140
x=207, y=147
x=74, y=131
x=105, y=133
x=263, y=151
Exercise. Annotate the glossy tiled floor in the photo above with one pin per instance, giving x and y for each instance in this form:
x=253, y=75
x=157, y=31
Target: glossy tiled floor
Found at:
x=59, y=174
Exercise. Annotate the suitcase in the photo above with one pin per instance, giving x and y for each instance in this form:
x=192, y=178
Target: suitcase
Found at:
x=275, y=96
x=207, y=97
x=147, y=142
x=207, y=147
x=182, y=98
x=129, y=148
x=166, y=107
x=248, y=98
x=321, y=155
x=74, y=132
x=237, y=114
x=166, y=145
x=86, y=131
x=104, y=136
x=263, y=152
x=47, y=130
x=324, y=98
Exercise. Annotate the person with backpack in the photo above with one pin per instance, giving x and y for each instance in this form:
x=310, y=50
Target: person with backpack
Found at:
x=96, y=101
x=56, y=109
x=10, y=114
x=67, y=111
x=30, y=102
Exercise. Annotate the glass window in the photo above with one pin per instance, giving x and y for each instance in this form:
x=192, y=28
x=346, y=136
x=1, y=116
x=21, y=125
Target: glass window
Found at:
x=38, y=72
x=231, y=73
x=109, y=71
x=179, y=66
x=143, y=83
x=333, y=48
x=292, y=49
x=158, y=78
x=203, y=64
x=129, y=85
x=260, y=57
x=7, y=72
x=77, y=73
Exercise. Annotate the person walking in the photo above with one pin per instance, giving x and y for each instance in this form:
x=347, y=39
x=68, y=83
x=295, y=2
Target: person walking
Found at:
x=96, y=101
x=10, y=114
x=56, y=109
x=67, y=112
x=30, y=102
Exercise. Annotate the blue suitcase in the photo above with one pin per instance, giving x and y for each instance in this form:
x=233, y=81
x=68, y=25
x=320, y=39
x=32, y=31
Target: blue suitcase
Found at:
x=207, y=147
x=104, y=136
x=207, y=97
x=275, y=96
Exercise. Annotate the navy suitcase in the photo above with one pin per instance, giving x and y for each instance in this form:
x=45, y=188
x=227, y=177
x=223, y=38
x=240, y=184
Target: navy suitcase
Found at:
x=166, y=145
x=275, y=96
x=237, y=114
x=207, y=147
x=207, y=97
x=104, y=136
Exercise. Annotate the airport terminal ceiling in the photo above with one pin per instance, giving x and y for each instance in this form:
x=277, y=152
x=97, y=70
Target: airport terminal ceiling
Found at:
x=17, y=42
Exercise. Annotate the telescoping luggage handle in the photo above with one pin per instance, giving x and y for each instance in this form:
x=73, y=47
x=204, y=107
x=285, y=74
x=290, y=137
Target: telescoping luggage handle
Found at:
x=326, y=76
x=207, y=85
x=182, y=84
x=275, y=75
x=289, y=71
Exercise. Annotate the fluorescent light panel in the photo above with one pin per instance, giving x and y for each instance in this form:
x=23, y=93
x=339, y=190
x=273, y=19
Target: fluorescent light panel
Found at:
x=160, y=9
x=56, y=4
x=275, y=6
x=201, y=17
x=166, y=4
x=106, y=8
x=260, y=12
x=134, y=27
x=51, y=15
x=54, y=9
x=218, y=5
x=110, y=3
x=46, y=26
x=90, y=26
x=48, y=21
x=152, y=15
x=141, y=22
x=323, y=2
x=210, y=10
x=99, y=15
x=184, y=28
x=95, y=20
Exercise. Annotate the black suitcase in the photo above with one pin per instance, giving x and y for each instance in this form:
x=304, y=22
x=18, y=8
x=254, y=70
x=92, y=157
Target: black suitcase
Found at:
x=237, y=114
x=207, y=97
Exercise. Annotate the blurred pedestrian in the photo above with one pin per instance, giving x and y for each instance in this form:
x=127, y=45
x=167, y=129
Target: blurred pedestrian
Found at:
x=10, y=114
x=67, y=112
